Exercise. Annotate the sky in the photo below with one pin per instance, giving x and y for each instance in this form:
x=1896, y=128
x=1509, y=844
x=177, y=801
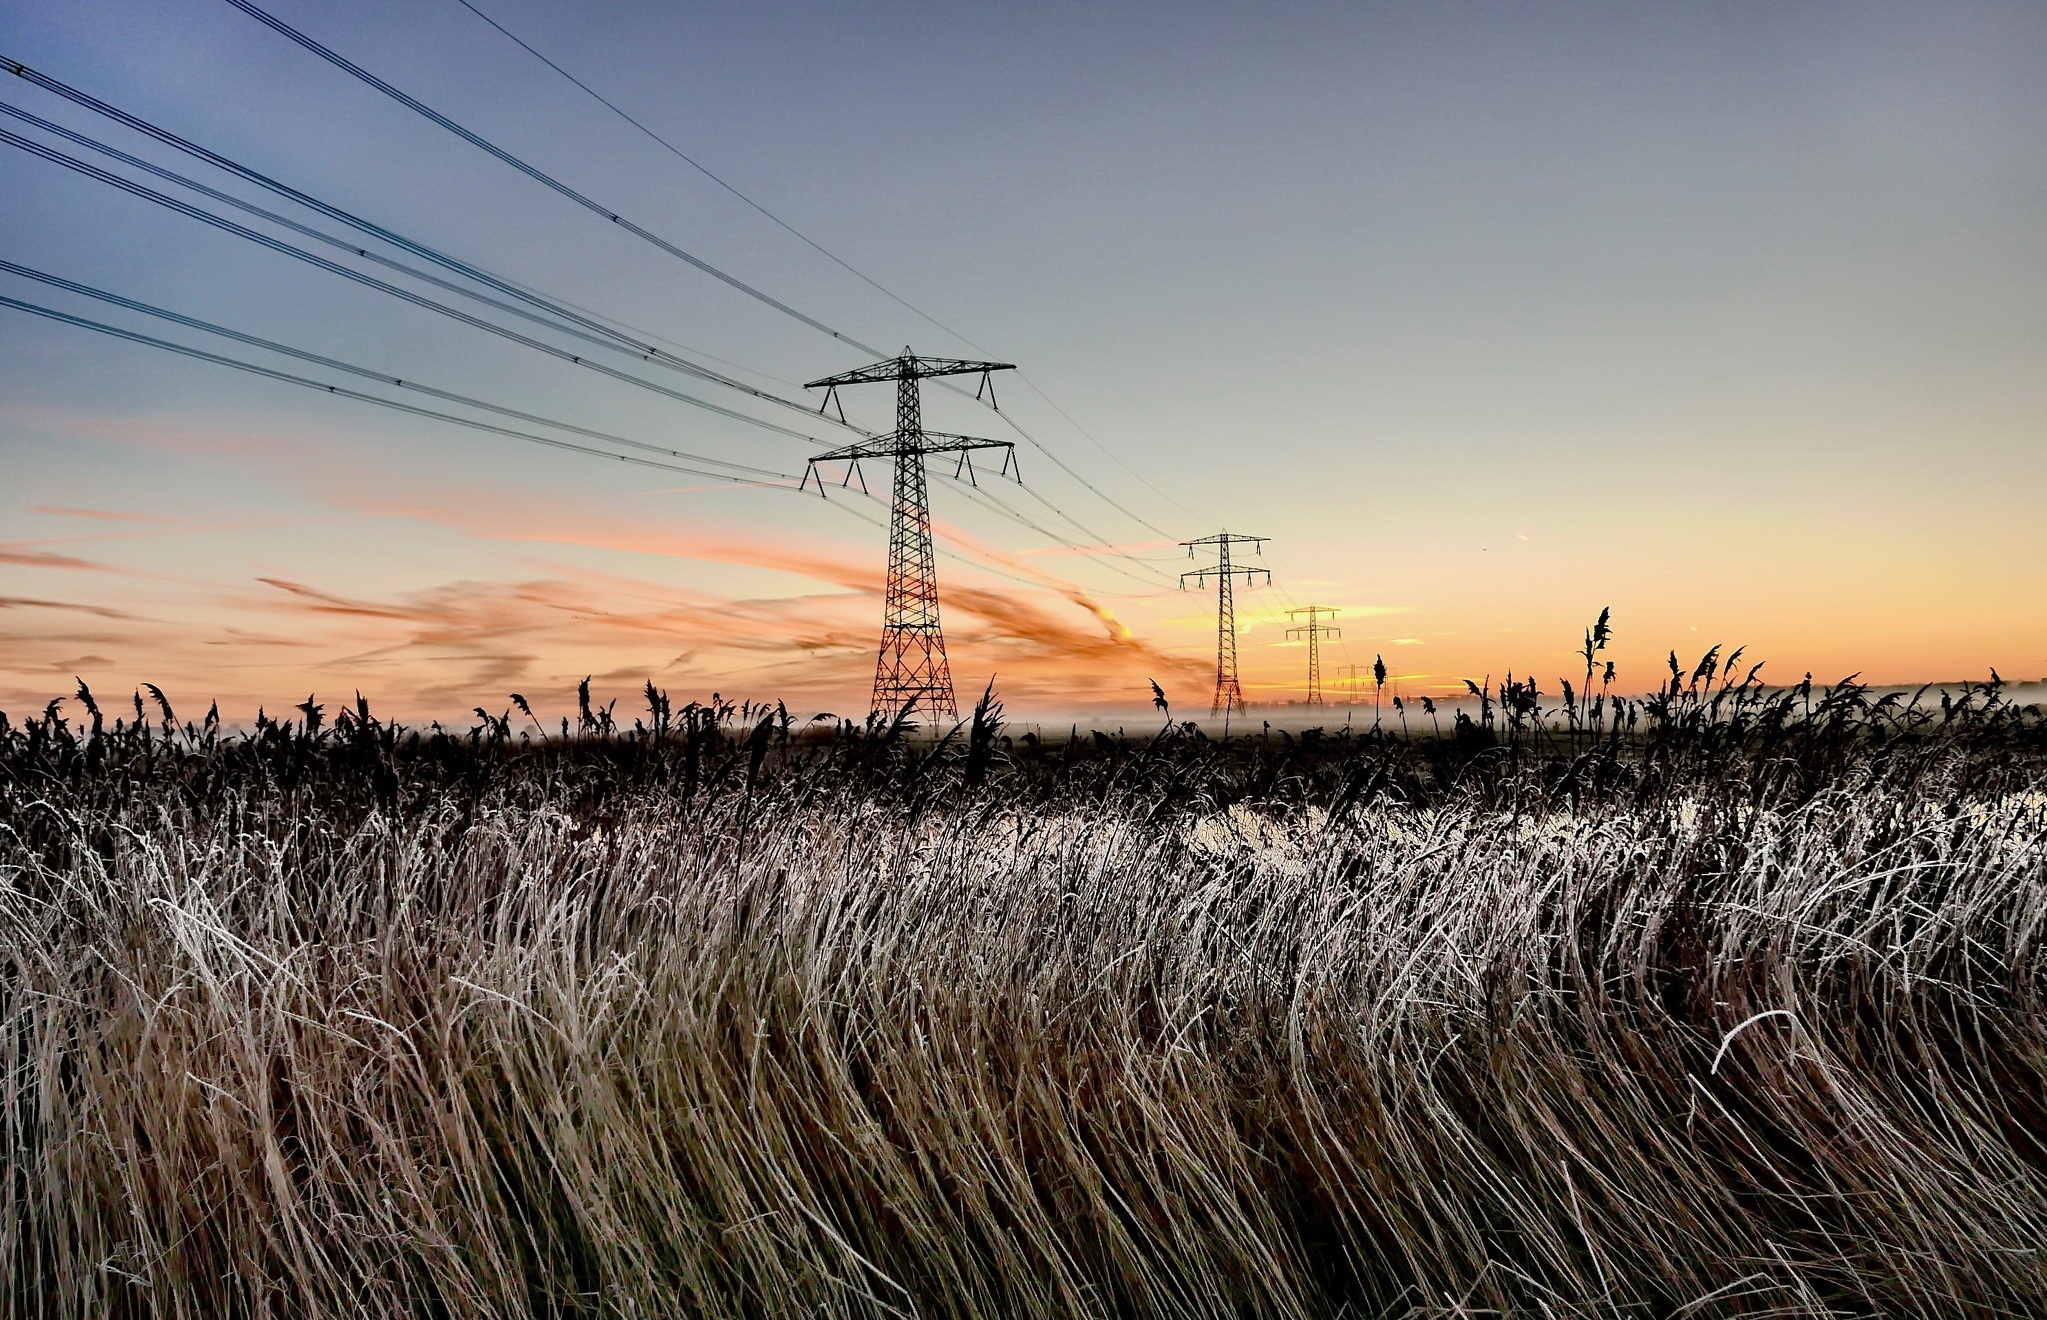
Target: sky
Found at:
x=1732, y=318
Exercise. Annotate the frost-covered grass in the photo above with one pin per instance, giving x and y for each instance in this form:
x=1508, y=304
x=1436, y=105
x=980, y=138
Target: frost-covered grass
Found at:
x=718, y=1022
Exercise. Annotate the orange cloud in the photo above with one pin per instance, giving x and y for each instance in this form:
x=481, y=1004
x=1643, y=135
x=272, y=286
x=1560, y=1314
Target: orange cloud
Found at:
x=98, y=611
x=15, y=554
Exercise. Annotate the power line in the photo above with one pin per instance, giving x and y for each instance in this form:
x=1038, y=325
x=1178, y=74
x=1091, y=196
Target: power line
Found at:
x=1067, y=468
x=989, y=499
x=653, y=337
x=240, y=231
x=496, y=283
x=1093, y=551
x=1084, y=529
x=645, y=352
x=343, y=391
x=737, y=469
x=270, y=373
x=981, y=561
x=1113, y=455
x=346, y=65
x=383, y=286
x=982, y=496
x=271, y=345
x=700, y=168
x=607, y=336
x=357, y=71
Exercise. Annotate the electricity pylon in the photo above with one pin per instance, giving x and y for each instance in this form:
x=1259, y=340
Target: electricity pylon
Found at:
x=912, y=664
x=1350, y=672
x=1314, y=630
x=1229, y=694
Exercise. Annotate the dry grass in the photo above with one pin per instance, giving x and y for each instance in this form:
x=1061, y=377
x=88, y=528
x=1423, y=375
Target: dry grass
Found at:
x=716, y=1025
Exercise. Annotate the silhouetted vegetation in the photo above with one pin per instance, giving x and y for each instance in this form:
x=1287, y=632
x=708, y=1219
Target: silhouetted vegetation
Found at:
x=1724, y=1001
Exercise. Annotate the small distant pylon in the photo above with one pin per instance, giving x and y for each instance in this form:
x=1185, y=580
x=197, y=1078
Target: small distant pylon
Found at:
x=1314, y=630
x=1350, y=673
x=1229, y=693
x=912, y=664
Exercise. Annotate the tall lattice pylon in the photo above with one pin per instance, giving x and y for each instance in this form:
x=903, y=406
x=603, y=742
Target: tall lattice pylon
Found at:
x=1229, y=693
x=1314, y=630
x=912, y=664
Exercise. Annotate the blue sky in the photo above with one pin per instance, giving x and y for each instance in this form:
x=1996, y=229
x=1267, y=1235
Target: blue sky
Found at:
x=1728, y=316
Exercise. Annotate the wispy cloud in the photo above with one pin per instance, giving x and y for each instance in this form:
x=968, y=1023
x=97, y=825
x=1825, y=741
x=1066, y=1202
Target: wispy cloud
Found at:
x=27, y=558
x=102, y=515
x=97, y=611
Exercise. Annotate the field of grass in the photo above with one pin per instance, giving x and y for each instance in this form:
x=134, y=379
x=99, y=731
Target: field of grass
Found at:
x=1726, y=1003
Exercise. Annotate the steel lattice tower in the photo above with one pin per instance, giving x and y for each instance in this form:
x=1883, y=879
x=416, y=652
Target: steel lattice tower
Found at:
x=912, y=664
x=1314, y=630
x=1229, y=694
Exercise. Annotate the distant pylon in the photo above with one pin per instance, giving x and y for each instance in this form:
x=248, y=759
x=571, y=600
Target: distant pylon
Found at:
x=1351, y=689
x=912, y=664
x=1314, y=630
x=1229, y=694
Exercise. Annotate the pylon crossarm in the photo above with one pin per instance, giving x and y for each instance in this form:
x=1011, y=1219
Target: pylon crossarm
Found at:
x=1227, y=538
x=892, y=444
x=914, y=368
x=812, y=473
x=1218, y=570
x=944, y=442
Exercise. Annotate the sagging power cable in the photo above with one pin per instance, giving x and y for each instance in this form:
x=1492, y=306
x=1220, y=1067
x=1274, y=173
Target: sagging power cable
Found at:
x=644, y=351
x=342, y=391
x=335, y=364
x=355, y=70
x=611, y=335
x=383, y=286
x=704, y=170
x=698, y=166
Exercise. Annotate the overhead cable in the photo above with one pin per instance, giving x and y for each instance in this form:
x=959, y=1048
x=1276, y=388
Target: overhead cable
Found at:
x=344, y=392
x=700, y=168
x=1096, y=548
x=990, y=499
x=335, y=364
x=644, y=351
x=346, y=65
x=1067, y=468
x=1113, y=455
x=383, y=286
x=170, y=139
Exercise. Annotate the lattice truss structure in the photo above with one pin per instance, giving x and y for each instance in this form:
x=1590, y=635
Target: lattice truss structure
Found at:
x=912, y=665
x=1314, y=630
x=1229, y=693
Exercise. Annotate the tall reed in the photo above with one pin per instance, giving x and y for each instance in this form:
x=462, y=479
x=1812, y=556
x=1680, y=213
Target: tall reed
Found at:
x=729, y=1020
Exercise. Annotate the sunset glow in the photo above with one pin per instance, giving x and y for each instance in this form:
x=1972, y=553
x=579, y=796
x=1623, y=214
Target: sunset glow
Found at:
x=1727, y=319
